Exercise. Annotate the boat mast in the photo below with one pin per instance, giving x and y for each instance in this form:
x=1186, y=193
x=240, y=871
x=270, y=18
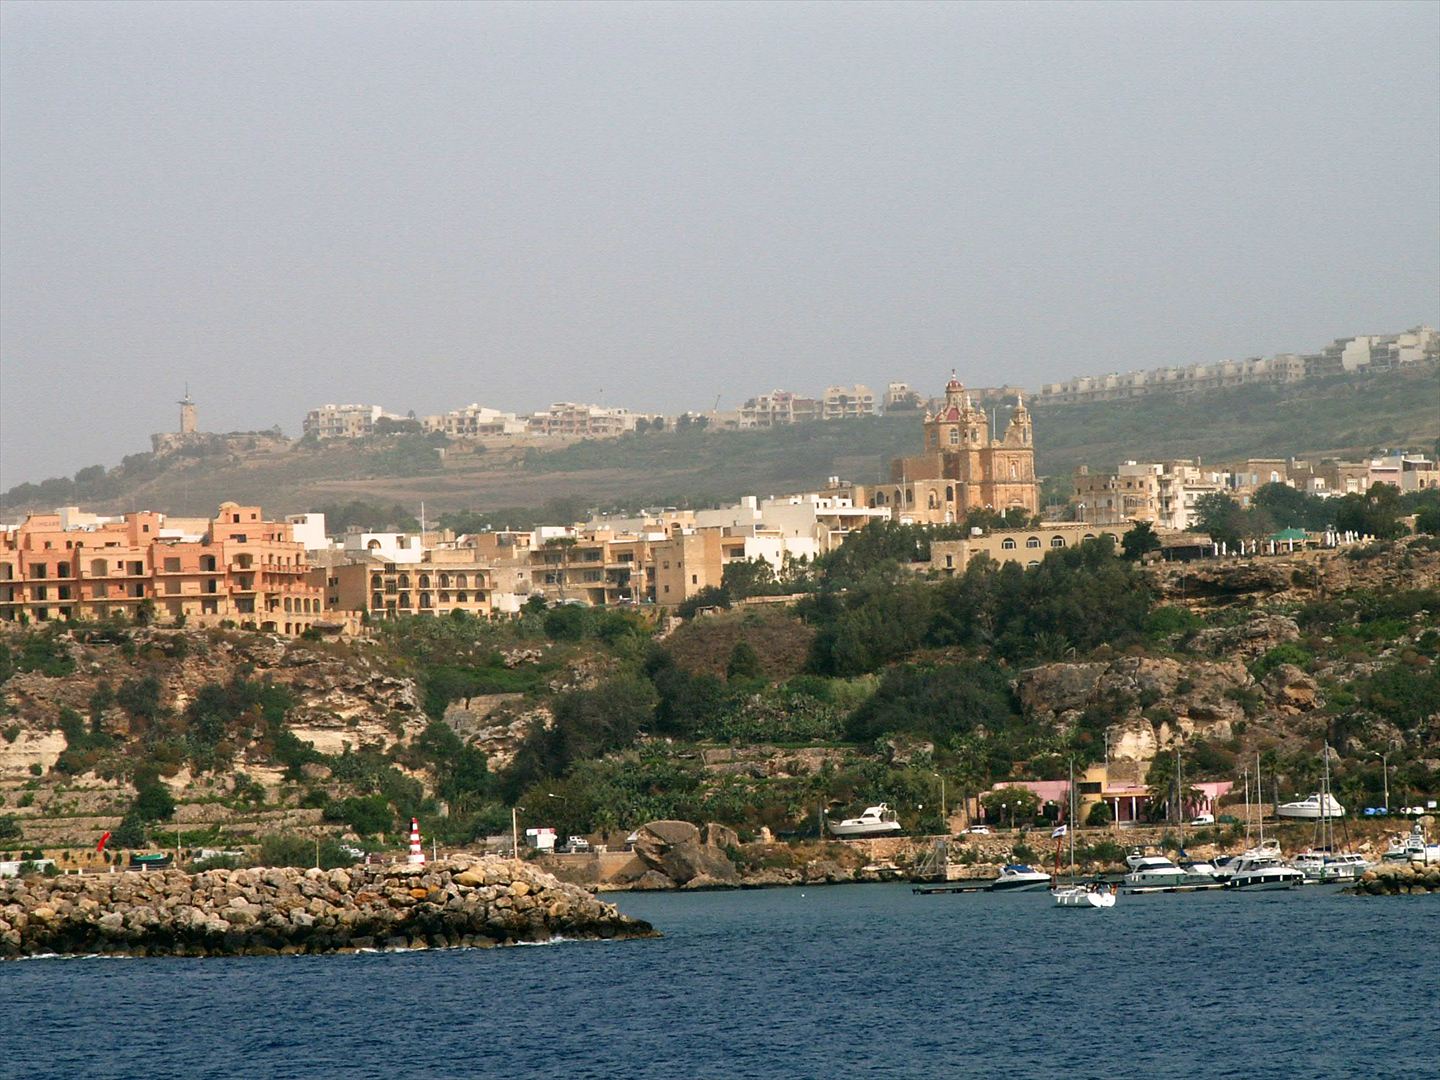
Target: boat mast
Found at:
x=1245, y=776
x=1259, y=799
x=1071, y=822
x=1179, y=798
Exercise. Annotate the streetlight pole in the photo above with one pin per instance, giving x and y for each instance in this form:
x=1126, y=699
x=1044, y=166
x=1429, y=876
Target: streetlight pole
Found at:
x=1384, y=773
x=515, y=831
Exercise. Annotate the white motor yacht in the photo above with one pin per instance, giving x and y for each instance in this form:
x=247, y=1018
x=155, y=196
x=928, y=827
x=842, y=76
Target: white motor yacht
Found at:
x=1256, y=871
x=1159, y=872
x=1020, y=878
x=1315, y=807
x=1085, y=896
x=875, y=821
x=1412, y=848
x=1324, y=867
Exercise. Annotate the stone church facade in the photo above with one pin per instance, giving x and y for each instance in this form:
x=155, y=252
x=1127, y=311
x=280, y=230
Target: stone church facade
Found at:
x=964, y=467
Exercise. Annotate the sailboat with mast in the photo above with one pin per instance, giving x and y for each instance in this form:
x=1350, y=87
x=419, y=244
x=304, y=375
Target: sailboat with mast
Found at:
x=1322, y=864
x=1075, y=894
x=1260, y=868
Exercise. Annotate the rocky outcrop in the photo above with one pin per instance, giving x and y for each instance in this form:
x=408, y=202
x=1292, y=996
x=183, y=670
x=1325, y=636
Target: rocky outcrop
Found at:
x=1201, y=696
x=1292, y=691
x=1257, y=635
x=457, y=902
x=1397, y=879
x=674, y=848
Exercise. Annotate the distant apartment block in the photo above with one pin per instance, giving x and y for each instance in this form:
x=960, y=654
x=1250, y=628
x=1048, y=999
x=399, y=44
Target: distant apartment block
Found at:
x=1380, y=352
x=1162, y=493
x=777, y=409
x=571, y=420
x=475, y=422
x=343, y=421
x=847, y=402
x=234, y=567
x=899, y=395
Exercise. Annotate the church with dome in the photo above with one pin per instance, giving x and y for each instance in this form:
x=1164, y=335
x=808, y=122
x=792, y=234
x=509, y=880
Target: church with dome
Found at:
x=964, y=467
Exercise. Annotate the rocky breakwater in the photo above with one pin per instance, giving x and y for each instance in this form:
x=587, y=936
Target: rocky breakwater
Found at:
x=450, y=903
x=1393, y=879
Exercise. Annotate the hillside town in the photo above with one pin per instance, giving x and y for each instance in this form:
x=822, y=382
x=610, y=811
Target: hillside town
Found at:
x=293, y=576
x=778, y=408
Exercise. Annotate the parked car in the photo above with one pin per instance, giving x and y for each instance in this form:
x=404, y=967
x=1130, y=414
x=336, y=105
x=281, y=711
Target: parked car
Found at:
x=574, y=844
x=978, y=830
x=1203, y=819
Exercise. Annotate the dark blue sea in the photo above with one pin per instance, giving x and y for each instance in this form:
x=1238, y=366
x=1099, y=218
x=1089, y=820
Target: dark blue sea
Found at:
x=844, y=981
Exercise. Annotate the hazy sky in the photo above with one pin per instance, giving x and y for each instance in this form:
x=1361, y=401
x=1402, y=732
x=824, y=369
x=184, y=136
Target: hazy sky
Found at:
x=423, y=206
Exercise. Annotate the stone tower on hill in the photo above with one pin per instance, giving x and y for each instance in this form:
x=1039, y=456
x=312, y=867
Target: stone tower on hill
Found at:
x=964, y=467
x=187, y=414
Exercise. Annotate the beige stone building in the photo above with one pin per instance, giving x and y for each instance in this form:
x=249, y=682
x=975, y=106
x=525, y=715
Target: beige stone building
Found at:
x=847, y=402
x=1164, y=493
x=963, y=467
x=1024, y=546
x=443, y=581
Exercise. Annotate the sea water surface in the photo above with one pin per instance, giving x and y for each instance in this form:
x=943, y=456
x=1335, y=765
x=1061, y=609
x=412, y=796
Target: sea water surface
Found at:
x=839, y=981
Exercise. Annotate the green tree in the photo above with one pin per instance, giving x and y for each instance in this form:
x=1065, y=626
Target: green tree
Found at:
x=710, y=596
x=748, y=577
x=140, y=698
x=1139, y=540
x=1011, y=805
x=154, y=803
x=744, y=662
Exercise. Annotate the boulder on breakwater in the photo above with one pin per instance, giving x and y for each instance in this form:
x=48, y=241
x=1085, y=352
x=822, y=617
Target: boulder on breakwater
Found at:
x=1391, y=879
x=451, y=903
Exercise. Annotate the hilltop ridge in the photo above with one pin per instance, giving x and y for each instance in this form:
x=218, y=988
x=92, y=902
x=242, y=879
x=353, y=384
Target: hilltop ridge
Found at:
x=1341, y=416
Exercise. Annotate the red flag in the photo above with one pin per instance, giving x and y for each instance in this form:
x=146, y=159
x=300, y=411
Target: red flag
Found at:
x=101, y=845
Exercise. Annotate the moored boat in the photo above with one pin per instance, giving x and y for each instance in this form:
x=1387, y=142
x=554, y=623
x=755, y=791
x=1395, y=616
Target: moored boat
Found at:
x=1020, y=878
x=1085, y=896
x=874, y=821
x=1257, y=872
x=1325, y=867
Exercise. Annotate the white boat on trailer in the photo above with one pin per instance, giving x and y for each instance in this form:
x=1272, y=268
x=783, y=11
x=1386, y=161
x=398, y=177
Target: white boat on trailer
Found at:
x=877, y=820
x=1317, y=806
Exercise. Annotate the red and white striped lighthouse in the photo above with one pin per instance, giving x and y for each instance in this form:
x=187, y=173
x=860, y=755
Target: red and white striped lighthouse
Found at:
x=417, y=853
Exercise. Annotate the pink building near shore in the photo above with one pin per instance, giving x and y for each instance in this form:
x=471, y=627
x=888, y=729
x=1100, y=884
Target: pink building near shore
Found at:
x=1128, y=802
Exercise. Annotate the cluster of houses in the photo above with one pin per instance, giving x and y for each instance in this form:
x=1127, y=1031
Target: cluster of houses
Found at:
x=1349, y=355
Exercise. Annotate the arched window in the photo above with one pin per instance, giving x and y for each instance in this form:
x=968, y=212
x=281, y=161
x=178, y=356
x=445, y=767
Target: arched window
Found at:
x=377, y=601
x=1057, y=541
x=444, y=581
x=461, y=598
x=404, y=581
x=1032, y=542
x=1088, y=536
x=99, y=568
x=930, y=502
x=1008, y=543
x=1032, y=563
x=461, y=581
x=1014, y=474
x=424, y=581
x=949, y=493
x=375, y=581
